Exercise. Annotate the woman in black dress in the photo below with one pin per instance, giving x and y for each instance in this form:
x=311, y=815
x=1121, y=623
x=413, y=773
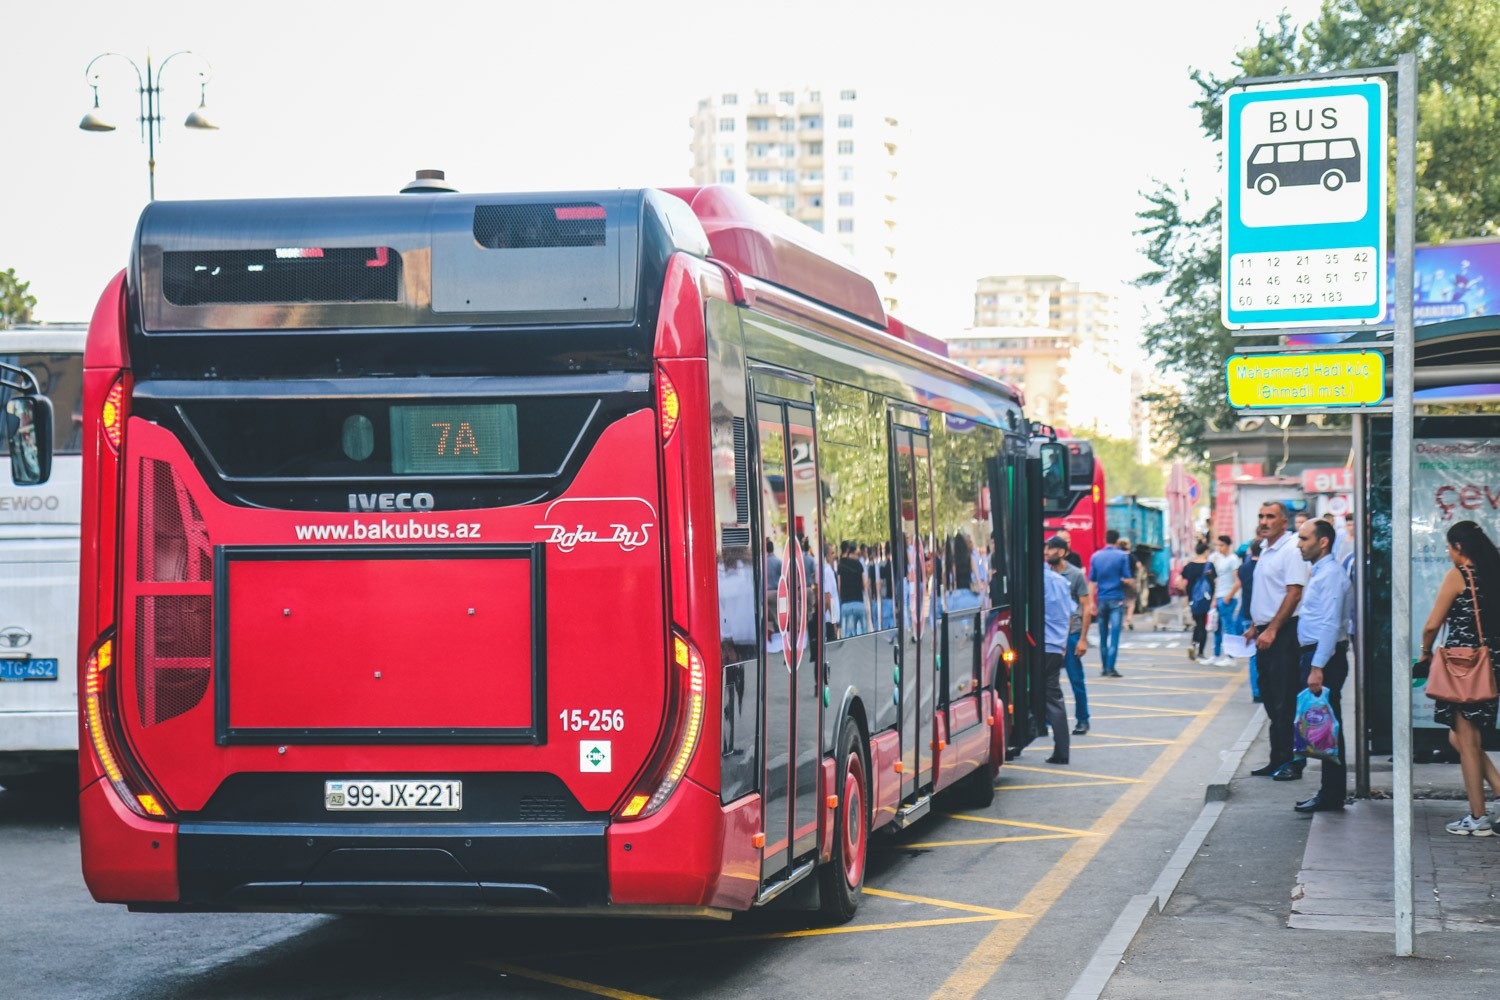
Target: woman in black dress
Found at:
x=1475, y=574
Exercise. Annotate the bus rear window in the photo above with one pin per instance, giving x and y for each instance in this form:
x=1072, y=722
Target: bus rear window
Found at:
x=374, y=438
x=281, y=275
x=61, y=378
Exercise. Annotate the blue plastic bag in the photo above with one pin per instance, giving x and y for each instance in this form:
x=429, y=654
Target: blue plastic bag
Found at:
x=1316, y=731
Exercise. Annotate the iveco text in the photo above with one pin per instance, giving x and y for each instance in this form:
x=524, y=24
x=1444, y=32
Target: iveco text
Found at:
x=390, y=501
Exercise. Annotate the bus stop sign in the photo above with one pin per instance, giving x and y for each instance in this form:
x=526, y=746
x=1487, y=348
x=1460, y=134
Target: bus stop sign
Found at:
x=1304, y=213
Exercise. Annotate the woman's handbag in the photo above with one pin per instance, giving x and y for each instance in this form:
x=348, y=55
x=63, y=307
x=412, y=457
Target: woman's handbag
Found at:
x=1463, y=675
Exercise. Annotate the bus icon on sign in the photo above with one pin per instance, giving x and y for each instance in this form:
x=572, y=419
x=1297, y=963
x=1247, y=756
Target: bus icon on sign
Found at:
x=1329, y=162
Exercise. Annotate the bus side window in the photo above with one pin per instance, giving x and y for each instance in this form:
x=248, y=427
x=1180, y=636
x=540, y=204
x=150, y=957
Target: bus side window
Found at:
x=1289, y=152
x=1341, y=149
x=1315, y=151
x=1263, y=154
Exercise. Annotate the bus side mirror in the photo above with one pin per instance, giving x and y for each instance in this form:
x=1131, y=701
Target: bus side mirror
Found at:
x=1055, y=473
x=28, y=433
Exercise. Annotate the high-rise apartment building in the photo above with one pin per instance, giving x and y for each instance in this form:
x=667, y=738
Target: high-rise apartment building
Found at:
x=826, y=157
x=1061, y=344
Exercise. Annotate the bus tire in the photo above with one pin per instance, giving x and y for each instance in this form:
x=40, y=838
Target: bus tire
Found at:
x=842, y=879
x=976, y=790
x=1333, y=180
x=1266, y=184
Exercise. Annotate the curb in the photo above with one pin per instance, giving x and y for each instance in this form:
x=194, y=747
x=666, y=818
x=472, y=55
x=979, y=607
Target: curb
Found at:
x=1096, y=975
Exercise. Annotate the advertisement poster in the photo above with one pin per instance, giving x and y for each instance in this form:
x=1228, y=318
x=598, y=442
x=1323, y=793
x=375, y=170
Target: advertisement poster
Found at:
x=1453, y=479
x=1453, y=281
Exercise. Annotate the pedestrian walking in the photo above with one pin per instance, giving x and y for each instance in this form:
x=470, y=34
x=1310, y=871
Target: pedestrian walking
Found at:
x=1198, y=580
x=1226, y=582
x=1464, y=603
x=1078, y=630
x=1107, y=571
x=1280, y=575
x=1134, y=584
x=854, y=616
x=1057, y=608
x=1323, y=640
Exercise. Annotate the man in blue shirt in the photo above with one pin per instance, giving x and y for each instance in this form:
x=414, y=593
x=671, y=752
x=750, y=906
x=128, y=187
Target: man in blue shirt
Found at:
x=1322, y=633
x=1057, y=608
x=1108, y=569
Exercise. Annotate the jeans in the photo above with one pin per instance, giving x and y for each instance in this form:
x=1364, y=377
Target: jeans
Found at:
x=1111, y=619
x=1227, y=620
x=1074, y=667
x=887, y=613
x=852, y=619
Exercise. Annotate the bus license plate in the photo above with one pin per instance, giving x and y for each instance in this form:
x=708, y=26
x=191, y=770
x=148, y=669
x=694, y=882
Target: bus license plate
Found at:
x=28, y=670
x=401, y=796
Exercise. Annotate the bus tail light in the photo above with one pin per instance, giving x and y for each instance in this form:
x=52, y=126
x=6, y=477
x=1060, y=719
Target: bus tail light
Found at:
x=662, y=778
x=99, y=719
x=668, y=406
x=112, y=416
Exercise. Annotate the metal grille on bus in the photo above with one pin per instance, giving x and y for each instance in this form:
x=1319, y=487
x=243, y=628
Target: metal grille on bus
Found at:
x=174, y=631
x=528, y=227
x=740, y=536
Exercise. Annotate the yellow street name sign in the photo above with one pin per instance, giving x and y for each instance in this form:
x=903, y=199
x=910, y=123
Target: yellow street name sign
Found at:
x=1312, y=379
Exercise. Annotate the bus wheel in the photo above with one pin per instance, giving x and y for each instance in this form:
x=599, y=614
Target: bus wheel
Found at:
x=1265, y=184
x=1333, y=180
x=842, y=880
x=976, y=790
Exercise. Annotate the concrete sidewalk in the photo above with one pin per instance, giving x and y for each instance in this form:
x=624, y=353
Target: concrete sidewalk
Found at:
x=1274, y=903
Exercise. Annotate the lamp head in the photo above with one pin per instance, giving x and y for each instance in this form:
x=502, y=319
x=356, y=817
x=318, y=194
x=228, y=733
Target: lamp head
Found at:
x=199, y=118
x=93, y=121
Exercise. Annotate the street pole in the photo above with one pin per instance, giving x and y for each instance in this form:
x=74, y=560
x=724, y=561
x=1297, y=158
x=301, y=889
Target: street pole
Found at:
x=1402, y=434
x=1361, y=740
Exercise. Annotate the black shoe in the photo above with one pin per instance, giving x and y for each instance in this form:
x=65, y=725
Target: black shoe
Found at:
x=1081, y=729
x=1055, y=759
x=1316, y=804
x=1255, y=698
x=1290, y=772
x=1114, y=673
x=1267, y=770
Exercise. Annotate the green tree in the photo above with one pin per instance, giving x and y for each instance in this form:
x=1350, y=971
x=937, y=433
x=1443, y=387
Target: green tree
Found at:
x=16, y=302
x=1124, y=474
x=1457, y=44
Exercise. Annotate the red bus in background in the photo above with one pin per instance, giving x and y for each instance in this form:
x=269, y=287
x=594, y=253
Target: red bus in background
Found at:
x=449, y=552
x=1083, y=514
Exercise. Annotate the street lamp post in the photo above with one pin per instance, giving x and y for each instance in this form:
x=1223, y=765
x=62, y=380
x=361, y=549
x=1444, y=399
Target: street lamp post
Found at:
x=148, y=87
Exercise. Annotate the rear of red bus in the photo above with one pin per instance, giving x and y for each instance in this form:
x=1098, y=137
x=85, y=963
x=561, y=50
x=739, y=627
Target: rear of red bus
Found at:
x=1084, y=518
x=385, y=573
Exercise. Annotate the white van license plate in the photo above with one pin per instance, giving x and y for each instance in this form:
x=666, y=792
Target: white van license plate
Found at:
x=401, y=796
x=28, y=670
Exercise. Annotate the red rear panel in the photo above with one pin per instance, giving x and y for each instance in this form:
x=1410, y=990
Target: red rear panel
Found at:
x=325, y=642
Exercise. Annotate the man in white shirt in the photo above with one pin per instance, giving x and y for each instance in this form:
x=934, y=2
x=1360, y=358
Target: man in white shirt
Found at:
x=1226, y=579
x=1280, y=575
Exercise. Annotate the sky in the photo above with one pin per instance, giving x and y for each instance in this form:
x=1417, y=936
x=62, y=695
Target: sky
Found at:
x=1031, y=128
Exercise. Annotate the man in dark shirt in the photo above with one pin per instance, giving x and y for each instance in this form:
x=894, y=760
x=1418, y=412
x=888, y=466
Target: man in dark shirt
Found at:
x=854, y=619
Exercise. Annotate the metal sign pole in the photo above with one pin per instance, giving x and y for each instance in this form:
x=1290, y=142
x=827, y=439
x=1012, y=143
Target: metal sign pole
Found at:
x=1402, y=433
x=1360, y=739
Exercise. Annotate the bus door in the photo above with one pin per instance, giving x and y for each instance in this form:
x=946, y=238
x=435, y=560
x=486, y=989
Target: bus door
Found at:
x=916, y=611
x=793, y=629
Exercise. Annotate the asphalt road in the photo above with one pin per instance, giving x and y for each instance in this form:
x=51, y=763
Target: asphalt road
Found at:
x=1010, y=901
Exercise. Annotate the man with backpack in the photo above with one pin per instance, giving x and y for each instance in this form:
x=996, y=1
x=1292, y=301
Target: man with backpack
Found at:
x=1199, y=579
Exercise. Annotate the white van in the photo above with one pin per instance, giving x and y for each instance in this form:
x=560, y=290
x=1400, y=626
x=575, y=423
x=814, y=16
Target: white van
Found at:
x=39, y=567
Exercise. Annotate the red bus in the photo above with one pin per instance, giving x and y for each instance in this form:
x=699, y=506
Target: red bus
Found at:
x=1082, y=513
x=450, y=552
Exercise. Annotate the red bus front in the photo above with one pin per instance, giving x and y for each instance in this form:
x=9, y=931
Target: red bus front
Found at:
x=1082, y=516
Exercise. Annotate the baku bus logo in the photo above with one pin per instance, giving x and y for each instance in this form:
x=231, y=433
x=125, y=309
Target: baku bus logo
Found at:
x=571, y=522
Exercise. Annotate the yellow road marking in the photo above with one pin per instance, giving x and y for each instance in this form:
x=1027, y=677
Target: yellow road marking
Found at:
x=945, y=903
x=1022, y=824
x=999, y=840
x=981, y=964
x=1169, y=689
x=1153, y=713
x=1062, y=784
x=1143, y=740
x=1146, y=670
x=1117, y=693
x=1054, y=771
x=572, y=984
x=1116, y=746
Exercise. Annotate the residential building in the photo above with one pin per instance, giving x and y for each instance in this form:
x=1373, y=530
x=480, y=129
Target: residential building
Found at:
x=826, y=156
